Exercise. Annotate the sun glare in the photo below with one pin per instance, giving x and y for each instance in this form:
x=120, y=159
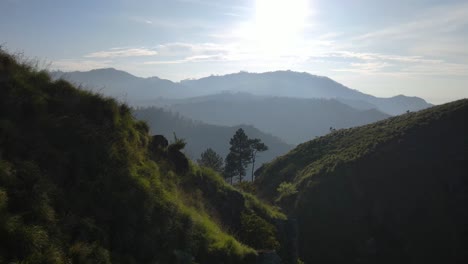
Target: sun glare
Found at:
x=279, y=23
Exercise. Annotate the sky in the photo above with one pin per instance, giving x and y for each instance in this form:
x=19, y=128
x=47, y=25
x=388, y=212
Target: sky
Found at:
x=383, y=48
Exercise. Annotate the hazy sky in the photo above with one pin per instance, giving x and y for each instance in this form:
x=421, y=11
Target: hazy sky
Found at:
x=384, y=48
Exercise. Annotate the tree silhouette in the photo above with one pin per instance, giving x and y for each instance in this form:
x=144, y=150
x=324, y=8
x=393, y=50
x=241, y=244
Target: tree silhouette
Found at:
x=243, y=151
x=256, y=145
x=209, y=158
x=239, y=156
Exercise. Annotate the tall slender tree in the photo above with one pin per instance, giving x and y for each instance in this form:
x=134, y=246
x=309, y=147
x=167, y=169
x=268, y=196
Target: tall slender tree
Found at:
x=239, y=156
x=229, y=168
x=256, y=146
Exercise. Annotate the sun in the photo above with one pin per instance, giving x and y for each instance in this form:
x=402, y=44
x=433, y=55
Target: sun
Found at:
x=279, y=23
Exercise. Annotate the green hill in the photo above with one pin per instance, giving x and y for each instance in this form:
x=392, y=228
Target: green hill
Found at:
x=395, y=191
x=81, y=181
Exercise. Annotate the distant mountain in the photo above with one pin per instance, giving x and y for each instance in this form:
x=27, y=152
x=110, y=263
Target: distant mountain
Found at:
x=395, y=191
x=122, y=85
x=302, y=85
x=200, y=136
x=293, y=120
x=141, y=91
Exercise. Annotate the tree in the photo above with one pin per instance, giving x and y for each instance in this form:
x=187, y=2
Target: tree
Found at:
x=229, y=168
x=175, y=155
x=239, y=156
x=256, y=145
x=209, y=158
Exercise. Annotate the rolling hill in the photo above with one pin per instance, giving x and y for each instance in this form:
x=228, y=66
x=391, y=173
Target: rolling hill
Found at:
x=395, y=191
x=292, y=119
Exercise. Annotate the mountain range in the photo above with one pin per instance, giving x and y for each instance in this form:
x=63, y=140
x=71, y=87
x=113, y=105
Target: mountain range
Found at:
x=292, y=119
x=142, y=91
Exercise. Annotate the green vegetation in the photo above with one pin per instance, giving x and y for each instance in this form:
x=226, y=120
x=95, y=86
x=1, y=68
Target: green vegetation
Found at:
x=256, y=146
x=286, y=189
x=210, y=159
x=239, y=155
x=388, y=192
x=243, y=151
x=200, y=136
x=81, y=181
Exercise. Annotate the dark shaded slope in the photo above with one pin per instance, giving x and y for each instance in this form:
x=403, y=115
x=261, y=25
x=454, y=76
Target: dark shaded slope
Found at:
x=395, y=191
x=81, y=181
x=200, y=136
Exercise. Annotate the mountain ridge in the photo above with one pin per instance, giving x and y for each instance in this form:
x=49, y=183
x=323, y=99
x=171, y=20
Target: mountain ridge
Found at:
x=276, y=83
x=294, y=120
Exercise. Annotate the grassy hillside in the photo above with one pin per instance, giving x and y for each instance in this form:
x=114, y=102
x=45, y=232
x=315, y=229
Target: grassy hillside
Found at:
x=81, y=181
x=395, y=191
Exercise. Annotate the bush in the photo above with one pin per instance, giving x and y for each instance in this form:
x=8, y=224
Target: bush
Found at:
x=257, y=233
x=286, y=189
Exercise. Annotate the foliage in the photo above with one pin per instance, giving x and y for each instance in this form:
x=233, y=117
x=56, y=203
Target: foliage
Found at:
x=239, y=155
x=257, y=232
x=210, y=159
x=201, y=136
x=256, y=146
x=242, y=152
x=388, y=192
x=248, y=187
x=82, y=181
x=286, y=189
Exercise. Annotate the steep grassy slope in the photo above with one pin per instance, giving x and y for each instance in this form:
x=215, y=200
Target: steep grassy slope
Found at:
x=81, y=181
x=395, y=191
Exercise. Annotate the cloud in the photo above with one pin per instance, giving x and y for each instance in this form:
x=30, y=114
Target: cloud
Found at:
x=190, y=49
x=394, y=65
x=80, y=65
x=122, y=52
x=440, y=31
x=365, y=68
x=440, y=19
x=197, y=58
x=367, y=56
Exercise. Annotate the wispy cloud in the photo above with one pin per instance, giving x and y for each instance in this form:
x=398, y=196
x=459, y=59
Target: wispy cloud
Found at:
x=190, y=49
x=122, y=52
x=441, y=19
x=368, y=56
x=80, y=64
x=196, y=58
x=372, y=63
